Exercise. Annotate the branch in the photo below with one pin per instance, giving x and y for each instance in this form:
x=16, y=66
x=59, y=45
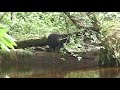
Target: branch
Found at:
x=2, y=16
x=73, y=20
x=77, y=24
x=94, y=21
x=11, y=15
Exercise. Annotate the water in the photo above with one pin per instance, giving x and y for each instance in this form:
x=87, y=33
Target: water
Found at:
x=43, y=72
x=98, y=72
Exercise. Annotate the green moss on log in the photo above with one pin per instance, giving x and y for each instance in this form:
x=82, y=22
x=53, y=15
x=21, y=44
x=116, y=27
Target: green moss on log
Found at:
x=31, y=43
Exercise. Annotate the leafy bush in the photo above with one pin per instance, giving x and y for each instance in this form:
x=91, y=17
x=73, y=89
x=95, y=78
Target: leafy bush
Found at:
x=6, y=41
x=110, y=53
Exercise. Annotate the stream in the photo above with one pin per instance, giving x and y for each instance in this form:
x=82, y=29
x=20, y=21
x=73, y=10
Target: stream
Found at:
x=43, y=72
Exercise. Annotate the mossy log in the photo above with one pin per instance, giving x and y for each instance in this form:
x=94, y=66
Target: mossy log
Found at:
x=48, y=60
x=51, y=60
x=31, y=43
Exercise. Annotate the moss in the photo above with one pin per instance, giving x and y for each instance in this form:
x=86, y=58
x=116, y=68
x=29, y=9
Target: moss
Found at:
x=19, y=55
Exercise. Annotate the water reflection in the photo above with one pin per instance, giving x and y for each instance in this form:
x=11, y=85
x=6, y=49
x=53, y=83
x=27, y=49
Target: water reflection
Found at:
x=13, y=71
x=109, y=72
x=44, y=72
x=98, y=72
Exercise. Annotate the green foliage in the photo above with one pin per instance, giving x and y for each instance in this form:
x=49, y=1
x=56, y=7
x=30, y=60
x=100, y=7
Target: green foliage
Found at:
x=6, y=41
x=110, y=53
x=29, y=25
x=109, y=38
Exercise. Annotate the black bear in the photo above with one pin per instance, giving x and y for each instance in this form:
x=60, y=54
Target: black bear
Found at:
x=56, y=41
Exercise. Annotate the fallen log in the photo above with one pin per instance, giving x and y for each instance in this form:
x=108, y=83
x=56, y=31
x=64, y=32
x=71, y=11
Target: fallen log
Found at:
x=31, y=43
x=53, y=60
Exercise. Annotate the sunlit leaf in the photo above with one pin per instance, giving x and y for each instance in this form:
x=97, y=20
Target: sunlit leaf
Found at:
x=10, y=41
x=6, y=43
x=3, y=30
x=3, y=47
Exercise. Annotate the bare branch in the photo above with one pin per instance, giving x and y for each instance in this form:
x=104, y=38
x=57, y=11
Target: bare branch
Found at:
x=94, y=21
x=77, y=23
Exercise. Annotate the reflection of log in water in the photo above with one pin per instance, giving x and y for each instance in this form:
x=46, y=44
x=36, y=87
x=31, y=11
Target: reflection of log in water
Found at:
x=47, y=64
x=109, y=72
x=49, y=75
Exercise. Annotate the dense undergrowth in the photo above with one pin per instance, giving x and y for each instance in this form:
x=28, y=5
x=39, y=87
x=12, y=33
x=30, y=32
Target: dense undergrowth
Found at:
x=84, y=28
